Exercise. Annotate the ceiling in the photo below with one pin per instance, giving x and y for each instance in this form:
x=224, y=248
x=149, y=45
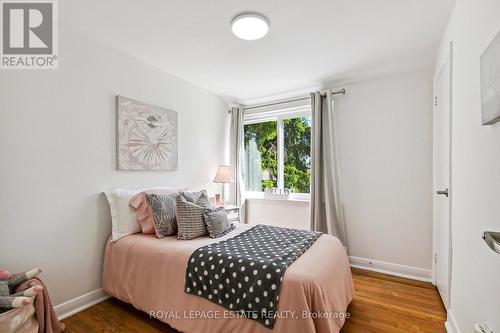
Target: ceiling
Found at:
x=310, y=42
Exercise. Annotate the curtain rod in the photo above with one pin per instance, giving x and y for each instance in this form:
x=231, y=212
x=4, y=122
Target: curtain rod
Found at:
x=338, y=92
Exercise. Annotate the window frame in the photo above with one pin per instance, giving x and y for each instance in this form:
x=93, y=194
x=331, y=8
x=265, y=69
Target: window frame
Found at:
x=279, y=116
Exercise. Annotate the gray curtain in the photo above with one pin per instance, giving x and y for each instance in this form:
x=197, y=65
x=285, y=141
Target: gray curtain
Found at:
x=236, y=160
x=326, y=206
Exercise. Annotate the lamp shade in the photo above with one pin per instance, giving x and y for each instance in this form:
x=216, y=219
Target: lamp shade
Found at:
x=223, y=174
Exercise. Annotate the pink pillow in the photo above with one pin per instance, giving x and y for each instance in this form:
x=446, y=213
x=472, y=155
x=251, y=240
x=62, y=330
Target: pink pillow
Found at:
x=143, y=212
x=143, y=209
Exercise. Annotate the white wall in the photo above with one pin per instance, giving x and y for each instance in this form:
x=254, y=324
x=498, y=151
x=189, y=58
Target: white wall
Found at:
x=57, y=144
x=281, y=213
x=475, y=289
x=385, y=143
x=385, y=136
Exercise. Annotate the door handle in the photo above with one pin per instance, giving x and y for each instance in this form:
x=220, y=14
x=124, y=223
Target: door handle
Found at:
x=492, y=239
x=445, y=192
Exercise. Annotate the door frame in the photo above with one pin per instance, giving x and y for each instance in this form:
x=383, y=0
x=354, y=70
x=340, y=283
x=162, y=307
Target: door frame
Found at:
x=449, y=63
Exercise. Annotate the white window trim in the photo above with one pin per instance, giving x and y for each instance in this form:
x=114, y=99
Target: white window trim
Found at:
x=260, y=117
x=280, y=131
x=279, y=115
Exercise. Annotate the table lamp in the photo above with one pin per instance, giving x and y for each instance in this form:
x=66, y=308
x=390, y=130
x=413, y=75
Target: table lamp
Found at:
x=223, y=176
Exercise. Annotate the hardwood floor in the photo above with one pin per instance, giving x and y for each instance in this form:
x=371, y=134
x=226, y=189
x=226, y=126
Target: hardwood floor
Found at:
x=382, y=304
x=387, y=304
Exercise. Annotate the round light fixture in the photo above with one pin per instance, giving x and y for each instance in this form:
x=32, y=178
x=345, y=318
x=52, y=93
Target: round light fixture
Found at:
x=250, y=26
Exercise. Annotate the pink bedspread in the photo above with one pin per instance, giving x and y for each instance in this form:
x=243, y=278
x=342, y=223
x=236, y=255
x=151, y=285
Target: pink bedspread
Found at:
x=149, y=273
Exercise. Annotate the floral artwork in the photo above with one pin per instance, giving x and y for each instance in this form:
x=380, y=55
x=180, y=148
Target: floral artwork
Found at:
x=147, y=136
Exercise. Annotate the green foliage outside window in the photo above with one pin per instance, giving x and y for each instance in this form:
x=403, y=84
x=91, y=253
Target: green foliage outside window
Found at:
x=297, y=143
x=297, y=154
x=266, y=139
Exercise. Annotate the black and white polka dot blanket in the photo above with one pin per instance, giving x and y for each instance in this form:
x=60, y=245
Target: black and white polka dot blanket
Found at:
x=244, y=273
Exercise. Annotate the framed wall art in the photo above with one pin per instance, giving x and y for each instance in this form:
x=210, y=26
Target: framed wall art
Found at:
x=147, y=136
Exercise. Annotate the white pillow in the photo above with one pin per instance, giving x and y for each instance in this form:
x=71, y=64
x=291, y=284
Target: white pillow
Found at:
x=123, y=216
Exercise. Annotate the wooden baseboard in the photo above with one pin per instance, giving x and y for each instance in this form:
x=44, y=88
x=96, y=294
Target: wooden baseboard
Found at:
x=80, y=303
x=404, y=271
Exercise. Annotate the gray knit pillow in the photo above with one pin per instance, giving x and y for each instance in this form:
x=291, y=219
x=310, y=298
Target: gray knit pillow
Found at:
x=163, y=207
x=190, y=221
x=217, y=223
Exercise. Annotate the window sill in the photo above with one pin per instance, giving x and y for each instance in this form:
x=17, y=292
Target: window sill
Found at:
x=294, y=197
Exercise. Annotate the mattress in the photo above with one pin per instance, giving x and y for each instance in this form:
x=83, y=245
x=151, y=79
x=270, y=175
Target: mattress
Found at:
x=149, y=273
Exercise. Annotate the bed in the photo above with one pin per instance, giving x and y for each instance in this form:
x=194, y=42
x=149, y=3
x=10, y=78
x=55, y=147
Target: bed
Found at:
x=150, y=274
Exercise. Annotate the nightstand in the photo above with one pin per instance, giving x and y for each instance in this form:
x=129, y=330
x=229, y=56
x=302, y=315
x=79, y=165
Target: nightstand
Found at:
x=233, y=213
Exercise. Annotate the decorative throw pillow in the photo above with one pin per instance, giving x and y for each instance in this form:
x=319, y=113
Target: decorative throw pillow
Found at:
x=143, y=210
x=217, y=222
x=190, y=219
x=200, y=198
x=163, y=208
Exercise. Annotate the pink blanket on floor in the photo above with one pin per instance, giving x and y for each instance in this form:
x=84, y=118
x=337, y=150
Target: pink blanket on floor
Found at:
x=44, y=311
x=149, y=273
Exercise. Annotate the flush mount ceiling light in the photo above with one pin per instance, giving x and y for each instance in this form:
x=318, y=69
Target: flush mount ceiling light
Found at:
x=250, y=26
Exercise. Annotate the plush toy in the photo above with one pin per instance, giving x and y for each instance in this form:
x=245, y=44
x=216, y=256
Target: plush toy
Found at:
x=8, y=297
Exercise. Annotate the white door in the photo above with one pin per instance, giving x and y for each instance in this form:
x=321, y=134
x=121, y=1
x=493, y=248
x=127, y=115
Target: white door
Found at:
x=442, y=180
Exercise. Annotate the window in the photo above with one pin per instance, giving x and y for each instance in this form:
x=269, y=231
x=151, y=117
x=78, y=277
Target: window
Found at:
x=261, y=156
x=277, y=150
x=297, y=154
